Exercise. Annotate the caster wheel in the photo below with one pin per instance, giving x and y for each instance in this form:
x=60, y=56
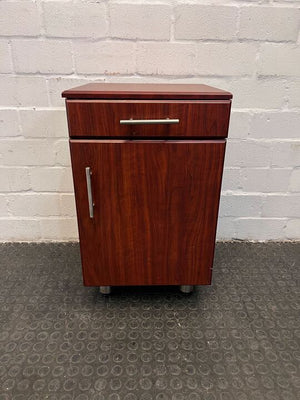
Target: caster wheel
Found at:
x=186, y=288
x=105, y=289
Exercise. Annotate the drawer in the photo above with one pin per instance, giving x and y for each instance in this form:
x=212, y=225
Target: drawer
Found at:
x=156, y=118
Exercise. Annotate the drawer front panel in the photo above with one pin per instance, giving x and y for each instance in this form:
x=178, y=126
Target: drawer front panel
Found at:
x=147, y=210
x=118, y=118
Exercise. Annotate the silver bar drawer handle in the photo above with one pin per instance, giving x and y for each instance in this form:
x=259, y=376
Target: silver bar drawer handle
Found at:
x=148, y=121
x=88, y=173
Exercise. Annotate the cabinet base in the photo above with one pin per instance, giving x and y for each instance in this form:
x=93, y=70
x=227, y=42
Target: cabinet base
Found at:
x=105, y=289
x=183, y=289
x=186, y=288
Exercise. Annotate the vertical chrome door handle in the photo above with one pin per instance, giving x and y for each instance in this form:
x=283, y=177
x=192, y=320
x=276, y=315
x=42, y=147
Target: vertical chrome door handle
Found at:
x=88, y=173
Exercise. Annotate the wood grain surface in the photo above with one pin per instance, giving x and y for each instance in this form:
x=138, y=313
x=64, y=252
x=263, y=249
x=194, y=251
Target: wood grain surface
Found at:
x=152, y=91
x=95, y=118
x=155, y=213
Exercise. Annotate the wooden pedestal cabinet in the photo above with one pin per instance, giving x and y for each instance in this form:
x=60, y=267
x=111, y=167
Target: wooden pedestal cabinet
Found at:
x=147, y=164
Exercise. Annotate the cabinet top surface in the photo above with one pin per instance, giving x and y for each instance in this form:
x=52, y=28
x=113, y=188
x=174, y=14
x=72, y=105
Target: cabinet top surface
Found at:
x=146, y=91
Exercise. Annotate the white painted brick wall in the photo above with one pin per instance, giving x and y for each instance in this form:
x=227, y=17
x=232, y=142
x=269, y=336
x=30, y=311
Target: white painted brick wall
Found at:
x=286, y=154
x=78, y=19
x=45, y=123
x=279, y=59
x=140, y=21
x=159, y=58
x=50, y=179
x=274, y=204
x=14, y=179
x=293, y=90
x=115, y=57
x=9, y=123
x=272, y=125
x=42, y=56
x=5, y=59
x=27, y=152
x=269, y=23
x=248, y=48
x=34, y=204
x=228, y=59
x=22, y=91
x=260, y=93
x=294, y=182
x=265, y=180
x=19, y=18
x=205, y=22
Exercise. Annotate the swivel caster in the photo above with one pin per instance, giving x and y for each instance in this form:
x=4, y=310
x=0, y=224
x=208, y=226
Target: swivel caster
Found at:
x=105, y=289
x=186, y=288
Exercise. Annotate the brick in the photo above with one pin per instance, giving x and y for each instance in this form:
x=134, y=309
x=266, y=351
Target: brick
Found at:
x=231, y=179
x=226, y=59
x=279, y=60
x=294, y=183
x=265, y=180
x=226, y=228
x=59, y=229
x=51, y=179
x=16, y=229
x=23, y=91
x=44, y=123
x=9, y=123
x=217, y=82
x=292, y=229
x=58, y=85
x=284, y=124
x=14, y=179
x=248, y=154
x=239, y=125
x=281, y=205
x=67, y=204
x=260, y=93
x=5, y=58
x=293, y=90
x=136, y=79
x=69, y=19
x=104, y=57
x=46, y=56
x=19, y=18
x=240, y=205
x=205, y=22
x=62, y=153
x=140, y=21
x=34, y=205
x=4, y=212
x=166, y=58
x=286, y=154
x=269, y=23
x=27, y=152
x=260, y=228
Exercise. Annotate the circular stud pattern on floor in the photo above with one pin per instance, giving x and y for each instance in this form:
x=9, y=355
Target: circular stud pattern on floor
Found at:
x=237, y=339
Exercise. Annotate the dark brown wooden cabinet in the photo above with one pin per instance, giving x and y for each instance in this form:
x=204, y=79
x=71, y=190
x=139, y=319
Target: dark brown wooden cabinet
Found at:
x=147, y=165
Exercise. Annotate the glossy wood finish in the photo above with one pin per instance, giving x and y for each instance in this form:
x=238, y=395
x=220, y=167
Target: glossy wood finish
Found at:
x=155, y=213
x=155, y=188
x=102, y=118
x=146, y=91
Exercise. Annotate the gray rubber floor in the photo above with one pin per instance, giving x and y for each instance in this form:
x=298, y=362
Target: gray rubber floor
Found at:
x=237, y=339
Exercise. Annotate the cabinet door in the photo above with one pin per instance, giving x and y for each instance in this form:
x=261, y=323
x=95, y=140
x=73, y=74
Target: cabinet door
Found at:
x=155, y=210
